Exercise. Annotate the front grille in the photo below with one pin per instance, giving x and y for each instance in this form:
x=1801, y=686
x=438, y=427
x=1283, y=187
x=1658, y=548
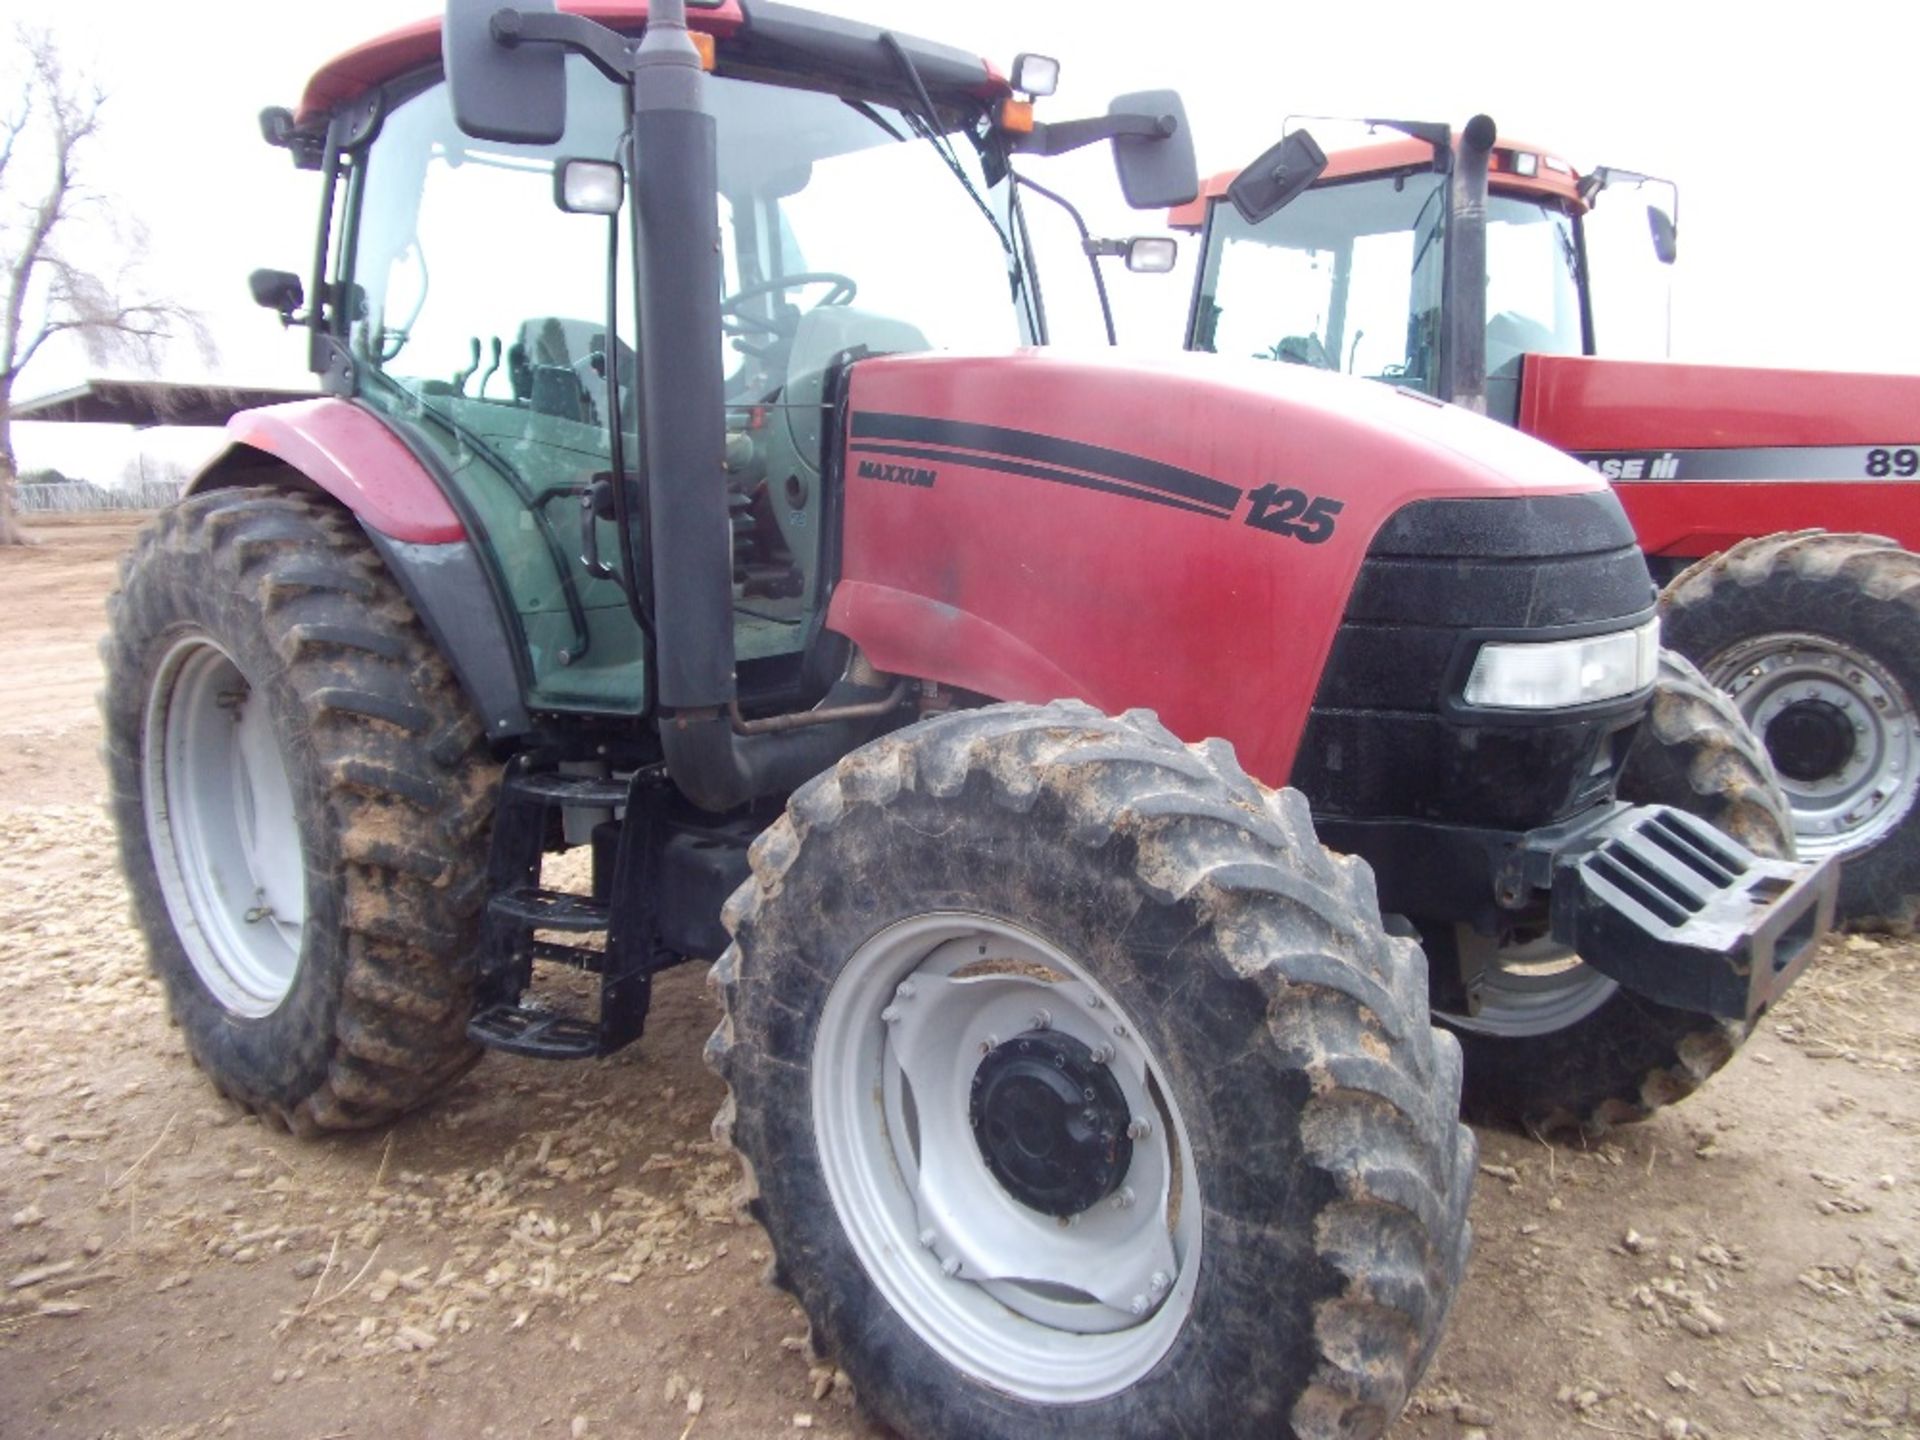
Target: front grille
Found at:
x=1384, y=740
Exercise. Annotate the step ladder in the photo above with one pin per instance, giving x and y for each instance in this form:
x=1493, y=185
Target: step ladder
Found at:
x=506, y=1017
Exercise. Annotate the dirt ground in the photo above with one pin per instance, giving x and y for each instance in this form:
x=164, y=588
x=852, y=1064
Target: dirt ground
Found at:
x=552, y=1251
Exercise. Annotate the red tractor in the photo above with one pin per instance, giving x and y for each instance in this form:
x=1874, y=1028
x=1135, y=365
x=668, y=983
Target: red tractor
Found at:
x=689, y=487
x=1462, y=267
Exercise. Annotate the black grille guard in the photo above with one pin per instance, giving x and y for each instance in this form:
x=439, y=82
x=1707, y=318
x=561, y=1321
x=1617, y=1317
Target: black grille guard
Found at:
x=1676, y=911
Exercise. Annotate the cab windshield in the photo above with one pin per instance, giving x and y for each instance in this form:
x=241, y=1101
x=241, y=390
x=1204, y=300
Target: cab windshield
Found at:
x=1348, y=277
x=478, y=322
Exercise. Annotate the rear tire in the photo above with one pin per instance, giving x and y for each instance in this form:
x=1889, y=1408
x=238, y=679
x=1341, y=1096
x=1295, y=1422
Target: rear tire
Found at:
x=1297, y=1198
x=303, y=798
x=1555, y=1043
x=1817, y=639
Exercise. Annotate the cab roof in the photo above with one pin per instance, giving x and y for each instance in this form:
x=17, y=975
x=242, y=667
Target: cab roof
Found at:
x=1552, y=177
x=824, y=45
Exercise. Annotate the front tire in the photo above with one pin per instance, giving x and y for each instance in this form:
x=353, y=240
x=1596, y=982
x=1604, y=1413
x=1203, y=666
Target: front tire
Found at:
x=303, y=798
x=1082, y=1093
x=1817, y=639
x=1553, y=1042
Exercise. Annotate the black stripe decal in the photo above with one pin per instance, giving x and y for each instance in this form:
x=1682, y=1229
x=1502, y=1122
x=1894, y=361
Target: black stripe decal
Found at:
x=1037, y=472
x=1051, y=451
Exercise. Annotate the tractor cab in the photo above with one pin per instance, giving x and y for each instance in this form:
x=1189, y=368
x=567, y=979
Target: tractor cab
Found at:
x=478, y=294
x=1351, y=274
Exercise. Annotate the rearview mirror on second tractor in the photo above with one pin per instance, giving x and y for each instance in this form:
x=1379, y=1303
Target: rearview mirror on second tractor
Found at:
x=1267, y=185
x=1666, y=235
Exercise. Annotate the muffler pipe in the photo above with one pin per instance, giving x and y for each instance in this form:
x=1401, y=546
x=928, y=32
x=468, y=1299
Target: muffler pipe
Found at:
x=1463, y=356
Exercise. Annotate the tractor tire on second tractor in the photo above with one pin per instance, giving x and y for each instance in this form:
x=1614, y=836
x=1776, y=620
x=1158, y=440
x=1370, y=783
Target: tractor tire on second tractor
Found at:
x=1083, y=1093
x=303, y=797
x=1817, y=638
x=1554, y=1042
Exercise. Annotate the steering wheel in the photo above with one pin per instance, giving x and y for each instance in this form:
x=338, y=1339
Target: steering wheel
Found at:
x=735, y=323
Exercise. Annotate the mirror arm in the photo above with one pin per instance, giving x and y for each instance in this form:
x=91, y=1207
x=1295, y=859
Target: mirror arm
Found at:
x=1087, y=243
x=611, y=55
x=1066, y=135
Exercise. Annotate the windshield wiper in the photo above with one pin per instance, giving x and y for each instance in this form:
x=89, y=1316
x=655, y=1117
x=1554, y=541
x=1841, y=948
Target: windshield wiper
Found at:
x=861, y=107
x=926, y=124
x=1431, y=236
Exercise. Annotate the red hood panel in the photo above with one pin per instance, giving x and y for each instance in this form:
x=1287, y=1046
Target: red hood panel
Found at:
x=1180, y=533
x=1586, y=404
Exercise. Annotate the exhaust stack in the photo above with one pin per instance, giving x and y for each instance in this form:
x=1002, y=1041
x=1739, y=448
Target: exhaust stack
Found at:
x=1463, y=355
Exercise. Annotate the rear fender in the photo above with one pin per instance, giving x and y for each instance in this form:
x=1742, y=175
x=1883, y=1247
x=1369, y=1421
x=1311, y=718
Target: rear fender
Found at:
x=340, y=449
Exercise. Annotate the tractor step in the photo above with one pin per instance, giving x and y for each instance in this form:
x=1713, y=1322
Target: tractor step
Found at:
x=541, y=909
x=577, y=957
x=538, y=1034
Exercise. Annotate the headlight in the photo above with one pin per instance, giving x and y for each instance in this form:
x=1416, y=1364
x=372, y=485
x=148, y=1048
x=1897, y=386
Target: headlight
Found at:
x=1556, y=674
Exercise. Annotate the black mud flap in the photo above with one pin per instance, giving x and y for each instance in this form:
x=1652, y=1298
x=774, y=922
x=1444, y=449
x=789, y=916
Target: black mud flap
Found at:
x=1676, y=911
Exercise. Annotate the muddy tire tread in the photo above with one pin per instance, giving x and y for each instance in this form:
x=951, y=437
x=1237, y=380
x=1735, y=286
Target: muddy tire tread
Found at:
x=1867, y=589
x=407, y=782
x=1345, y=1005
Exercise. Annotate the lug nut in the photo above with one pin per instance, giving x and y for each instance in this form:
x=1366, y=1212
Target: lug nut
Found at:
x=927, y=1237
x=1123, y=1198
x=1139, y=1305
x=1094, y=1002
x=1121, y=1031
x=1102, y=1053
x=1139, y=1128
x=992, y=1042
x=1042, y=1020
x=891, y=1014
x=1158, y=1281
x=950, y=1266
x=905, y=990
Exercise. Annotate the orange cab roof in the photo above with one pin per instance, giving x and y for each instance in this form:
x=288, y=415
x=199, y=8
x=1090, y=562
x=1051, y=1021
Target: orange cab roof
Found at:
x=1552, y=176
x=414, y=46
x=349, y=76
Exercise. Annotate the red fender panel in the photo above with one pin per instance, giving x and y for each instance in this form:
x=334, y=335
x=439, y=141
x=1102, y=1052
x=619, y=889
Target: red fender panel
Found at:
x=350, y=455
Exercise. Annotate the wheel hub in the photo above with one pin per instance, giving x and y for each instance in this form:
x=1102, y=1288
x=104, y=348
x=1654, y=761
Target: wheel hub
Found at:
x=1810, y=740
x=1841, y=730
x=1051, y=1122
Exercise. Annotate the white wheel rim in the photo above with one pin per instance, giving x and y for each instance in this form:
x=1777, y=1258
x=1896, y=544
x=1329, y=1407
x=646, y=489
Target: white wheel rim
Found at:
x=1870, y=793
x=1052, y=1310
x=1537, y=988
x=222, y=828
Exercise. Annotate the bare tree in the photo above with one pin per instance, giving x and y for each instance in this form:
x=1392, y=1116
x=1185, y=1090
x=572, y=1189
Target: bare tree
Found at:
x=46, y=288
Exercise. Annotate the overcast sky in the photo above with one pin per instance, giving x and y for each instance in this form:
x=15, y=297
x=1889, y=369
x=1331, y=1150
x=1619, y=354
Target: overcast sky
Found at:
x=1787, y=128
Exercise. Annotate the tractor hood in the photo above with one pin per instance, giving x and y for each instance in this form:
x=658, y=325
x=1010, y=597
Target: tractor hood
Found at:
x=1150, y=532
x=1706, y=455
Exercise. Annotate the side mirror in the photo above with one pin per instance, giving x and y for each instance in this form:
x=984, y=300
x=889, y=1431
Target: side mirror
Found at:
x=1152, y=254
x=1157, y=170
x=502, y=90
x=1666, y=235
x=278, y=290
x=1276, y=179
x=588, y=187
